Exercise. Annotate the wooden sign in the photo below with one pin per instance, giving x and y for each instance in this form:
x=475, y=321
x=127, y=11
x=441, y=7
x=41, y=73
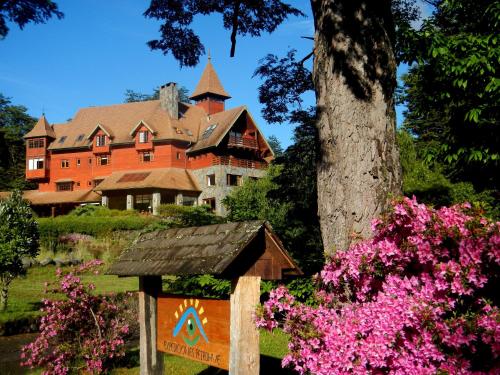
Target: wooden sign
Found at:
x=195, y=328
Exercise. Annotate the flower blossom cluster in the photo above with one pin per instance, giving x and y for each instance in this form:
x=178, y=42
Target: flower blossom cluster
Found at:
x=418, y=298
x=80, y=333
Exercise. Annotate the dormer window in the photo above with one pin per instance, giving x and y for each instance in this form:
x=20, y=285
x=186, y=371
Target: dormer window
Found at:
x=100, y=140
x=143, y=136
x=62, y=139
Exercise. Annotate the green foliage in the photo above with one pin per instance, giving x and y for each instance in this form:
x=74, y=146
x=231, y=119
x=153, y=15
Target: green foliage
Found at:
x=452, y=91
x=100, y=211
x=18, y=239
x=188, y=216
x=52, y=228
x=275, y=144
x=26, y=11
x=429, y=184
x=14, y=124
x=287, y=198
x=250, y=201
x=200, y=285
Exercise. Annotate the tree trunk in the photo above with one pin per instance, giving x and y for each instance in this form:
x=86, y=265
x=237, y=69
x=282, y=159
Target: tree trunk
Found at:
x=4, y=294
x=354, y=78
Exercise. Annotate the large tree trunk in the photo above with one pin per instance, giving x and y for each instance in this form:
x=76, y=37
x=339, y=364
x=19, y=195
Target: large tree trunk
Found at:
x=354, y=77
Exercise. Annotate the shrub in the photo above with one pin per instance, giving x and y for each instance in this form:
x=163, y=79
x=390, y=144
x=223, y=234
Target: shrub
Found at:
x=18, y=239
x=420, y=297
x=188, y=216
x=51, y=229
x=82, y=333
x=100, y=211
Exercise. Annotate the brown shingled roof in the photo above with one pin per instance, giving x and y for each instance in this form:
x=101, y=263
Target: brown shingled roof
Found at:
x=36, y=197
x=121, y=119
x=41, y=129
x=220, y=249
x=164, y=178
x=224, y=121
x=209, y=83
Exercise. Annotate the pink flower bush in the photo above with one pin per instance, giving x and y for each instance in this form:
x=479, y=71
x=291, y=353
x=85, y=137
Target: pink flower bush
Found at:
x=80, y=333
x=418, y=298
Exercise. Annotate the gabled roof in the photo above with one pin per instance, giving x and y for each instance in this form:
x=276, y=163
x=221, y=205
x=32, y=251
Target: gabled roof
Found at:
x=231, y=249
x=103, y=128
x=161, y=178
x=224, y=121
x=142, y=122
x=209, y=83
x=41, y=129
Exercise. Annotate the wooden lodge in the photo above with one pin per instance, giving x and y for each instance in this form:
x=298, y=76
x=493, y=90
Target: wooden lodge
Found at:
x=139, y=155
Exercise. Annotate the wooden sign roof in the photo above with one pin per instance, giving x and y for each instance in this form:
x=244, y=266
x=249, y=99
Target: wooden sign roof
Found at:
x=229, y=250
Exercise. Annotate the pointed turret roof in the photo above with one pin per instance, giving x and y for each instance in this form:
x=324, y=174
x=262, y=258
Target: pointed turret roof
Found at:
x=209, y=83
x=41, y=129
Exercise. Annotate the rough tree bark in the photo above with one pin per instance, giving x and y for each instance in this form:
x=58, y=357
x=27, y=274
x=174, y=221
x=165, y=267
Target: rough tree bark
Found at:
x=354, y=78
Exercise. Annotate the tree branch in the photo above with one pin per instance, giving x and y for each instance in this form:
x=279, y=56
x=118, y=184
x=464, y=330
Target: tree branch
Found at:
x=234, y=31
x=301, y=62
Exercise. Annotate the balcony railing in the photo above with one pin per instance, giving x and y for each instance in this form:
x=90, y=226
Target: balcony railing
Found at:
x=241, y=163
x=235, y=141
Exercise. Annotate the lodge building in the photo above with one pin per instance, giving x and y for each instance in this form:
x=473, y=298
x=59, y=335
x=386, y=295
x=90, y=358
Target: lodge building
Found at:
x=142, y=154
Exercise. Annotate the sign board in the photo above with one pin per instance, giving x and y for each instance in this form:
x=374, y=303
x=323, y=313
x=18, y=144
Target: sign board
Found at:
x=195, y=328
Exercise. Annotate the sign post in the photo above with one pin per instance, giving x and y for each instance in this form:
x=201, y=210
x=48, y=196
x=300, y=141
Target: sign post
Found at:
x=220, y=333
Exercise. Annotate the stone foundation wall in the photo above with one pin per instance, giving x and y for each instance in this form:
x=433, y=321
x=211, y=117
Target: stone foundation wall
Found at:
x=221, y=189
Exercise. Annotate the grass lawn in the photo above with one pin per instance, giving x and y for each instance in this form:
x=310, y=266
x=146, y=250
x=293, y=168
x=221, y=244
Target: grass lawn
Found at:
x=25, y=293
x=273, y=347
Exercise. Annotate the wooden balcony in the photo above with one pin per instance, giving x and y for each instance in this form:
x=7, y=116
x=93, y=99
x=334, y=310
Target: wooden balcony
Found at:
x=235, y=141
x=240, y=163
x=101, y=149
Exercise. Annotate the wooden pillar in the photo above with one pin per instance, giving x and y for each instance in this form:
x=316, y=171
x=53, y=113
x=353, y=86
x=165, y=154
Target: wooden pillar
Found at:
x=179, y=199
x=130, y=202
x=156, y=201
x=244, y=356
x=105, y=201
x=151, y=360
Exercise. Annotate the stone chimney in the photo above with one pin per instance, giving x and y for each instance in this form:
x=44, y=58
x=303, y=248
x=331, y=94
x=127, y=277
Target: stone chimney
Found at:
x=169, y=99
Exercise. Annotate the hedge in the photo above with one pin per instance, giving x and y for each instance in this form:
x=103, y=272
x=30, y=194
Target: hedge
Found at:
x=52, y=228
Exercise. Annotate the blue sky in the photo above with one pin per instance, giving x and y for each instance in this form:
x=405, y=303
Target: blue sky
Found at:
x=99, y=50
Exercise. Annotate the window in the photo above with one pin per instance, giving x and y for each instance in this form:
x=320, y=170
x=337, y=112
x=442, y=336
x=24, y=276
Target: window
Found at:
x=178, y=155
x=64, y=163
x=234, y=180
x=143, y=136
x=210, y=202
x=100, y=140
x=146, y=157
x=211, y=180
x=188, y=201
x=78, y=162
x=143, y=202
x=208, y=131
x=78, y=183
x=89, y=183
x=103, y=160
x=34, y=164
x=62, y=139
x=36, y=143
x=64, y=186
x=90, y=161
x=80, y=137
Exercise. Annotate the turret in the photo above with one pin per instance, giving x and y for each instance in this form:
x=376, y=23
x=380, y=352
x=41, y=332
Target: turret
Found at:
x=37, y=142
x=209, y=93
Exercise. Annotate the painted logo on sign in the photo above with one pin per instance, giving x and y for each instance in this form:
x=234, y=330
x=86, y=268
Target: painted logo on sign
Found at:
x=190, y=323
